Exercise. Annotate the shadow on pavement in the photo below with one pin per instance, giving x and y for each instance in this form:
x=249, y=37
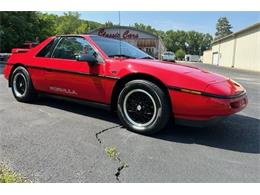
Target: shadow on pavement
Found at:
x=236, y=133
x=78, y=109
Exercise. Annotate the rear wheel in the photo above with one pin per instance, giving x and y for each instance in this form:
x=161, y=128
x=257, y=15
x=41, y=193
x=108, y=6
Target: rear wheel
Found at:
x=22, y=87
x=143, y=107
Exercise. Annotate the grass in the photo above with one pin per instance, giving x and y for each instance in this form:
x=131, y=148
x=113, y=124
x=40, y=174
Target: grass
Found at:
x=112, y=152
x=9, y=176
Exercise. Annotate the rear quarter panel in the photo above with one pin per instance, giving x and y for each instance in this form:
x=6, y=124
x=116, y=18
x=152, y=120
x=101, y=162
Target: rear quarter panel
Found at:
x=24, y=59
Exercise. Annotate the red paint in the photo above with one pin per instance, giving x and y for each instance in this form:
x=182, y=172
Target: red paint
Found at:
x=95, y=83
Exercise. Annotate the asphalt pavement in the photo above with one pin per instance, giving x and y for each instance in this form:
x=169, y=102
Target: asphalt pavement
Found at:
x=58, y=141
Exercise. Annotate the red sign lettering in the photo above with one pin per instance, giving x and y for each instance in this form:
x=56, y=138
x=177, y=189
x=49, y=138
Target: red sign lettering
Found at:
x=126, y=34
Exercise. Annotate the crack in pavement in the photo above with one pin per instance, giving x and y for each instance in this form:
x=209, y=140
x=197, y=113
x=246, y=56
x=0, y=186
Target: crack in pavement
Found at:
x=104, y=130
x=120, y=168
x=123, y=165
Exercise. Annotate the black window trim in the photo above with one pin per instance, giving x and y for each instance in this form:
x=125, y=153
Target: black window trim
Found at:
x=51, y=48
x=54, y=48
x=78, y=36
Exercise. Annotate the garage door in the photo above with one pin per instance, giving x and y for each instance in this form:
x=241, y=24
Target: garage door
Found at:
x=215, y=58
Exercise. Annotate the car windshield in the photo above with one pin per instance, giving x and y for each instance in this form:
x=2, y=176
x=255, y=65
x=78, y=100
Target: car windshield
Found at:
x=117, y=48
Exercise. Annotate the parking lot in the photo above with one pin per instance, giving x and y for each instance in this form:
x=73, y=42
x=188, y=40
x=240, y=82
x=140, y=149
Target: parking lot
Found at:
x=58, y=141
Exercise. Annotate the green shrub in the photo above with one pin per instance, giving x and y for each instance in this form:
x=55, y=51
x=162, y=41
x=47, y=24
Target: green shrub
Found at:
x=180, y=54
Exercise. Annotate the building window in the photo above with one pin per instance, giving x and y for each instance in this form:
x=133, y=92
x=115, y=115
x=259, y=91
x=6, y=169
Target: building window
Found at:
x=149, y=50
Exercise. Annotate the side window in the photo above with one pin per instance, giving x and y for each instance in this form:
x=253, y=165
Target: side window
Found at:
x=70, y=47
x=46, y=51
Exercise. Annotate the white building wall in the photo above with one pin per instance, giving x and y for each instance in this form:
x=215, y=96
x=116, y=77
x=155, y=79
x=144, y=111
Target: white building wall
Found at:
x=226, y=53
x=248, y=50
x=242, y=50
x=215, y=54
x=215, y=48
x=207, y=57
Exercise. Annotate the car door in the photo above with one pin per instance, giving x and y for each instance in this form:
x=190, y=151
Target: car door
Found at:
x=65, y=75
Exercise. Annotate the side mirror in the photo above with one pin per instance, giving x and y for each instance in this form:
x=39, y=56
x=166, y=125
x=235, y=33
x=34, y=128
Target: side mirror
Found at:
x=90, y=58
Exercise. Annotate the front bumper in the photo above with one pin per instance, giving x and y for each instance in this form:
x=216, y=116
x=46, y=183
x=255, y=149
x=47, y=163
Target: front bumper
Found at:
x=201, y=107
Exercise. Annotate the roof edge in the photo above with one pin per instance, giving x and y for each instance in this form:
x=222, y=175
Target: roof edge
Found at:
x=238, y=32
x=129, y=27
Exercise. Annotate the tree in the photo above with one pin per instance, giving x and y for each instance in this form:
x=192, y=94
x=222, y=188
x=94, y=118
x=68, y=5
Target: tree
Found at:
x=70, y=23
x=93, y=25
x=175, y=40
x=196, y=42
x=180, y=54
x=223, y=28
x=48, y=25
x=108, y=24
x=148, y=28
x=191, y=42
x=205, y=43
x=18, y=27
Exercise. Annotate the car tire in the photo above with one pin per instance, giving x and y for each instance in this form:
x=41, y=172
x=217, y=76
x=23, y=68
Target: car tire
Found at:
x=143, y=107
x=22, y=86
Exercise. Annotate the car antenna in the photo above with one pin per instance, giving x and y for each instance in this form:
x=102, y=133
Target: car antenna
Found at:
x=119, y=18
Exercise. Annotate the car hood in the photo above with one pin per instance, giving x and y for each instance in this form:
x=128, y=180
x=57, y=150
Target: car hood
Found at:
x=180, y=75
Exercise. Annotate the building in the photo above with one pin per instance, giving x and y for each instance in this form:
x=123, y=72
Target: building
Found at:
x=148, y=42
x=238, y=50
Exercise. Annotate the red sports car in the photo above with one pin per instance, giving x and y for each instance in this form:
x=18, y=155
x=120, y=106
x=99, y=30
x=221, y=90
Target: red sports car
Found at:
x=145, y=92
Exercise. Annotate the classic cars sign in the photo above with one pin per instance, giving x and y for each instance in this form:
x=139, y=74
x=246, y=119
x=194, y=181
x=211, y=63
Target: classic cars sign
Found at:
x=125, y=34
x=146, y=41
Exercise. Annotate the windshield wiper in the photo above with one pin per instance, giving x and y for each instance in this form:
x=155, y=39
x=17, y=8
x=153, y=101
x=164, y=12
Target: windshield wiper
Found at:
x=121, y=55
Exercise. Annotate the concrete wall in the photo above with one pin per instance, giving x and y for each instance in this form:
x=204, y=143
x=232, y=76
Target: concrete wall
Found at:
x=207, y=57
x=226, y=53
x=215, y=48
x=247, y=50
x=241, y=50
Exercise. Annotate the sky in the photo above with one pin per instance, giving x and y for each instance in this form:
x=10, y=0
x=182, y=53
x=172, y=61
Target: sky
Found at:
x=197, y=20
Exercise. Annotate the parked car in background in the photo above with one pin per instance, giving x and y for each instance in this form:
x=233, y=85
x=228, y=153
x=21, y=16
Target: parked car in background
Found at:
x=168, y=56
x=145, y=92
x=192, y=58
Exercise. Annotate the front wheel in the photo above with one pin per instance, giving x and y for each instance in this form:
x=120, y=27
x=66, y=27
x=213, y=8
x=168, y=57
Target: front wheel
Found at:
x=143, y=107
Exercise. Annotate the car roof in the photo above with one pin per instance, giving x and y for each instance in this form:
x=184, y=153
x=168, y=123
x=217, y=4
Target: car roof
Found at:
x=76, y=35
x=71, y=35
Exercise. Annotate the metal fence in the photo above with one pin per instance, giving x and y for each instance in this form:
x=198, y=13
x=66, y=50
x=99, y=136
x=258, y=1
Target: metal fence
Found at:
x=3, y=59
x=1, y=68
x=4, y=56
